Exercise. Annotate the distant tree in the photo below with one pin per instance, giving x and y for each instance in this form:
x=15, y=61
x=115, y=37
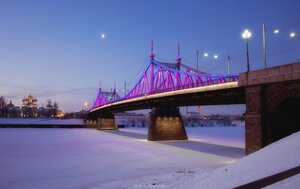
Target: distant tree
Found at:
x=55, y=109
x=2, y=106
x=49, y=108
x=42, y=112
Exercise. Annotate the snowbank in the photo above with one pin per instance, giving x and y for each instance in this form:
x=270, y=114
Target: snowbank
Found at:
x=274, y=158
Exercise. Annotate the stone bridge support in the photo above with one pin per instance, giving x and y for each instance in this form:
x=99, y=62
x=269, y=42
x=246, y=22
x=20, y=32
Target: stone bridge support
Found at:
x=254, y=119
x=106, y=121
x=166, y=124
x=91, y=123
x=272, y=104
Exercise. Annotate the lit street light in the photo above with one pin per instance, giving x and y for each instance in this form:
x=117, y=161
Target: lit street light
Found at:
x=292, y=34
x=86, y=106
x=246, y=36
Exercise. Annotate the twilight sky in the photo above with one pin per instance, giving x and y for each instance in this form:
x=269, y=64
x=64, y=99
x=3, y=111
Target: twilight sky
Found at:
x=53, y=49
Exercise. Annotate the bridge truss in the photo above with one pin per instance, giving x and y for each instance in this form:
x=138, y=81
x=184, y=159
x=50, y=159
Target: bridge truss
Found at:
x=160, y=77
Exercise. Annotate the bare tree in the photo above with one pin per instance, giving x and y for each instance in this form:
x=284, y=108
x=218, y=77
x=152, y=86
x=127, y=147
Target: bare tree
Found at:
x=2, y=107
x=55, y=109
x=49, y=108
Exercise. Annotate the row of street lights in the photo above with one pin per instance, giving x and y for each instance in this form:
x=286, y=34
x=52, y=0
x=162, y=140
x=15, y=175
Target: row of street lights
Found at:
x=246, y=35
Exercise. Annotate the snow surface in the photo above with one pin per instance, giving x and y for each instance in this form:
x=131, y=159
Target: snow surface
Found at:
x=277, y=157
x=87, y=158
x=40, y=121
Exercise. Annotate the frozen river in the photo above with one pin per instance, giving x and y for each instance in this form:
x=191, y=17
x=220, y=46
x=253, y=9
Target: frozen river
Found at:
x=87, y=158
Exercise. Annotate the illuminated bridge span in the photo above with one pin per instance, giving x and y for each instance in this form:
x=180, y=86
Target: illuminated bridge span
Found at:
x=269, y=94
x=160, y=77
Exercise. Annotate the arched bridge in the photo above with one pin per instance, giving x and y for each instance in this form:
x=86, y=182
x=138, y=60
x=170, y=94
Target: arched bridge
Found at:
x=163, y=87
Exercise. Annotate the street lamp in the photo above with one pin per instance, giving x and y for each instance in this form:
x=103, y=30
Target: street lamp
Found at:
x=246, y=36
x=86, y=106
x=292, y=34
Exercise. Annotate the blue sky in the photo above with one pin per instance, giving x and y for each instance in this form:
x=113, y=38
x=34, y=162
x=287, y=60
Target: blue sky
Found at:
x=52, y=49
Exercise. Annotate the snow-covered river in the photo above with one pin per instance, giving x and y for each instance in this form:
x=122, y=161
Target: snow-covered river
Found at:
x=87, y=158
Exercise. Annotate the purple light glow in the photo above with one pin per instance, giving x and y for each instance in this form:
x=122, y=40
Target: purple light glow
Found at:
x=165, y=79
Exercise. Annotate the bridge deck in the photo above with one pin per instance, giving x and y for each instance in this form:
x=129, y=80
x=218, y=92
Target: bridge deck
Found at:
x=173, y=93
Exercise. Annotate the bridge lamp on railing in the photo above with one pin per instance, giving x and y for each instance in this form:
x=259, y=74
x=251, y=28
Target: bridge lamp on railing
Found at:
x=246, y=36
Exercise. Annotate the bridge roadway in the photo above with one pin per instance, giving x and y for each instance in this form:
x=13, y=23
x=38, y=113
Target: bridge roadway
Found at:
x=272, y=98
x=225, y=93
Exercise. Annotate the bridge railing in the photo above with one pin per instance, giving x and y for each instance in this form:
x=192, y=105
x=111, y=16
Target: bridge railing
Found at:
x=182, y=87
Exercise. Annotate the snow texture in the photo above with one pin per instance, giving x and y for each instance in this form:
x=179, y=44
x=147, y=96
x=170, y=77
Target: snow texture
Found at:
x=87, y=158
x=276, y=157
x=40, y=121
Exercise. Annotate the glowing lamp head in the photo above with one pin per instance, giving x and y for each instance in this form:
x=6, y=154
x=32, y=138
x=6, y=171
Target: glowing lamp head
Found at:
x=292, y=34
x=246, y=34
x=102, y=35
x=276, y=31
x=216, y=56
x=205, y=54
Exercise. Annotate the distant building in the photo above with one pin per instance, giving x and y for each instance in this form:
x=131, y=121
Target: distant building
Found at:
x=11, y=110
x=60, y=114
x=29, y=107
x=126, y=119
x=78, y=115
x=42, y=112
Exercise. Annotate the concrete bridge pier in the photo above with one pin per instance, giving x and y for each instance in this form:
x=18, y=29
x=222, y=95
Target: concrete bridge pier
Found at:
x=166, y=124
x=106, y=121
x=91, y=123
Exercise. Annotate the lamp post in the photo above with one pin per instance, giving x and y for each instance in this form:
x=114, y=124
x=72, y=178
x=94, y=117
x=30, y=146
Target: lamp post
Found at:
x=246, y=36
x=86, y=106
